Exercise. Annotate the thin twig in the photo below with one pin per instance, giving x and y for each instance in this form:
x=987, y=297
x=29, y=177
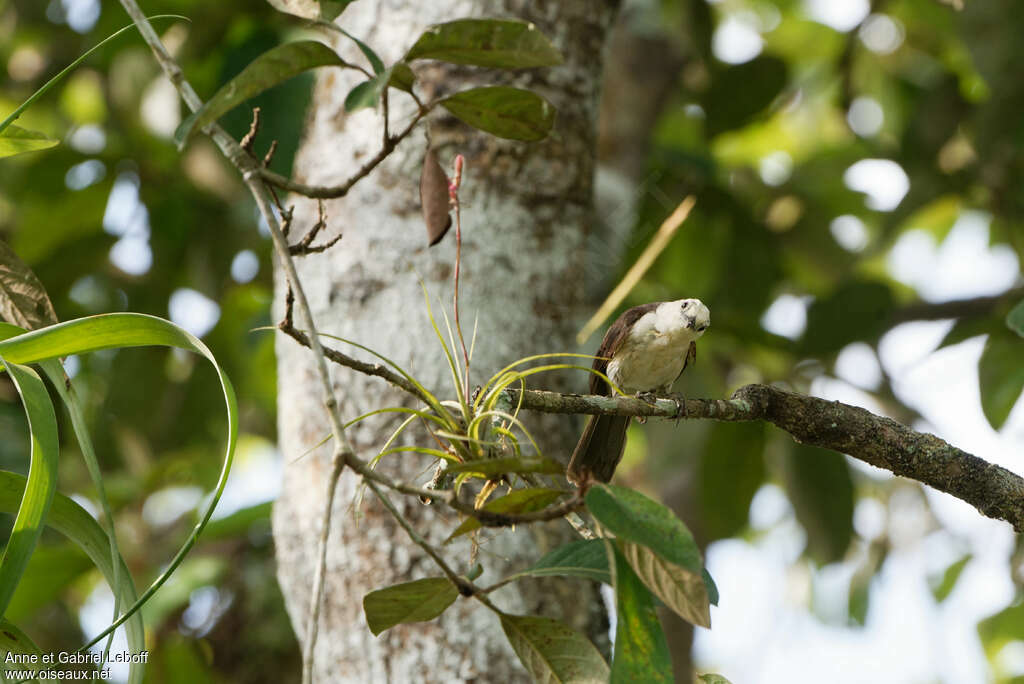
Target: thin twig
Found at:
x=316, y=596
x=251, y=173
x=465, y=587
x=335, y=191
x=254, y=128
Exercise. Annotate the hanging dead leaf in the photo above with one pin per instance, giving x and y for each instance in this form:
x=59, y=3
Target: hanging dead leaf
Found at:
x=23, y=299
x=434, y=198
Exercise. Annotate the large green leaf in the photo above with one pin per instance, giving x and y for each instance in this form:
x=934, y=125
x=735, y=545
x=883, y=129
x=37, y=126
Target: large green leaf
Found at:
x=17, y=140
x=497, y=43
x=42, y=477
x=641, y=651
x=639, y=519
x=505, y=112
x=1001, y=376
x=269, y=69
x=518, y=501
x=417, y=601
x=685, y=592
x=551, y=651
x=658, y=547
x=819, y=485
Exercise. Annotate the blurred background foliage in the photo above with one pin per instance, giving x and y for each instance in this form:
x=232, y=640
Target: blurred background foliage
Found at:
x=820, y=145
x=117, y=219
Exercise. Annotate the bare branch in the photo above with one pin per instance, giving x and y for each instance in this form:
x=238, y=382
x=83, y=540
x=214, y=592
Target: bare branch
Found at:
x=335, y=191
x=882, y=442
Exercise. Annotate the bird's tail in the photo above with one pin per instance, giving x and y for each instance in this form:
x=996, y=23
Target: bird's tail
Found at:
x=599, y=449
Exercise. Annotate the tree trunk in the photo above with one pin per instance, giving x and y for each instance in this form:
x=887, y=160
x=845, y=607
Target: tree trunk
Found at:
x=525, y=211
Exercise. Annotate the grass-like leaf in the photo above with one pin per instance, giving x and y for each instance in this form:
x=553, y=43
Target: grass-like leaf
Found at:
x=42, y=477
x=13, y=116
x=518, y=501
x=115, y=330
x=72, y=521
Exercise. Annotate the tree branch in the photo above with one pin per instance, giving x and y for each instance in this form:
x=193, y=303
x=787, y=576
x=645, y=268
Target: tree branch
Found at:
x=882, y=442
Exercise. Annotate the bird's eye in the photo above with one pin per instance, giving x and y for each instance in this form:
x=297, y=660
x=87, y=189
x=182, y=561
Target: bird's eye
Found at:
x=686, y=305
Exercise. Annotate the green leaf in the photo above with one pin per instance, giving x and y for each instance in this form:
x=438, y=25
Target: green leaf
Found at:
x=966, y=328
x=371, y=56
x=585, y=558
x=731, y=471
x=1015, y=319
x=709, y=584
x=5, y=125
x=402, y=77
x=760, y=80
x=855, y=310
x=332, y=9
x=658, y=547
x=551, y=651
x=500, y=466
x=47, y=575
x=641, y=650
x=633, y=517
x=327, y=10
x=518, y=501
x=23, y=299
x=417, y=601
x=72, y=521
x=819, y=485
x=1001, y=376
x=1002, y=628
x=679, y=588
x=367, y=93
x=496, y=43
x=269, y=69
x=17, y=140
x=502, y=111
x=116, y=330
x=944, y=586
x=713, y=679
x=42, y=477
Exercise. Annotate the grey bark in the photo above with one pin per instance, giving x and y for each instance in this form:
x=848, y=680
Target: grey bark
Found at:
x=526, y=209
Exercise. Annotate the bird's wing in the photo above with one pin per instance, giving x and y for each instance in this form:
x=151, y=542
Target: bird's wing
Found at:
x=613, y=339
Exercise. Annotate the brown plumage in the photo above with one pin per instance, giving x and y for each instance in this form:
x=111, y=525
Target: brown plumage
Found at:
x=600, y=448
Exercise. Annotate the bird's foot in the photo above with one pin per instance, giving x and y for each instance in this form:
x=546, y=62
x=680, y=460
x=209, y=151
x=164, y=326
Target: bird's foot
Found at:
x=680, y=401
x=648, y=398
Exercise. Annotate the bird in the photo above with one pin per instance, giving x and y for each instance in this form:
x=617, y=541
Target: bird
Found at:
x=644, y=352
